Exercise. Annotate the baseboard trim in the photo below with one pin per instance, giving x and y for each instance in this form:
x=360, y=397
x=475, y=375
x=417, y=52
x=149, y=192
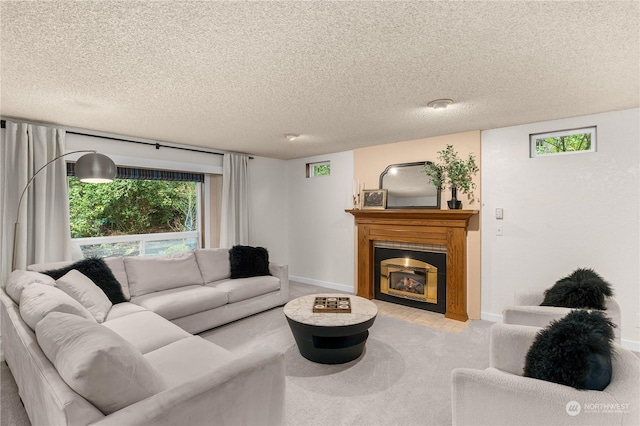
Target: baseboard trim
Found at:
x=632, y=345
x=326, y=284
x=490, y=317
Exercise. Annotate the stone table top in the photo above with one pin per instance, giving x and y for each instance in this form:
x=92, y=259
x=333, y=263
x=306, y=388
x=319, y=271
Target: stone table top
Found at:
x=301, y=310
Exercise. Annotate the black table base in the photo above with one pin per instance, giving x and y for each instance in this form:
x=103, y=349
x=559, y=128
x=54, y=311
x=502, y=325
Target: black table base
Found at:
x=330, y=345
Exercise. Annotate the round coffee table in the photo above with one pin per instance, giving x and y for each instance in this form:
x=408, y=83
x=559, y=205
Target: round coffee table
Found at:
x=330, y=338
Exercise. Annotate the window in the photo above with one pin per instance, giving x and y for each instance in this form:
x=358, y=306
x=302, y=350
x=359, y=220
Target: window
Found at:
x=563, y=142
x=142, y=212
x=322, y=168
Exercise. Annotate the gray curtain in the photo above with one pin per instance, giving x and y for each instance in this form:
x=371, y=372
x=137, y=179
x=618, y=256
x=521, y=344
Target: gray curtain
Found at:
x=234, y=220
x=43, y=234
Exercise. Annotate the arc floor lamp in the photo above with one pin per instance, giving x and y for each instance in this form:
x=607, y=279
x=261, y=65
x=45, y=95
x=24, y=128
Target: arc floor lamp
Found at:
x=92, y=168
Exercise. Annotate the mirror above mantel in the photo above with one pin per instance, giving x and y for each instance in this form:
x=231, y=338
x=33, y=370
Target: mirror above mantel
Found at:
x=408, y=187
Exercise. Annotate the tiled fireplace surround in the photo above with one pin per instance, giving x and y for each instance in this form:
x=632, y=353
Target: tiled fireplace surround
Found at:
x=437, y=227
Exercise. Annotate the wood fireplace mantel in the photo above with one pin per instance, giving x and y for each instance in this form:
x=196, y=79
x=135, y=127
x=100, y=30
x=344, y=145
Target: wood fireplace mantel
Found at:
x=439, y=227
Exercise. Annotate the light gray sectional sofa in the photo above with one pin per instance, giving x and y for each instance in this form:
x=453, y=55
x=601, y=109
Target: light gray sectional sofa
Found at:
x=79, y=360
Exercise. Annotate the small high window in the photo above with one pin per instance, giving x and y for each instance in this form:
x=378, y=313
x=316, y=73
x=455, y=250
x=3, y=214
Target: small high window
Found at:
x=322, y=168
x=563, y=142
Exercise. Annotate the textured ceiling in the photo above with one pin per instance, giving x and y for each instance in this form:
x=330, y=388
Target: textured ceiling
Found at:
x=237, y=75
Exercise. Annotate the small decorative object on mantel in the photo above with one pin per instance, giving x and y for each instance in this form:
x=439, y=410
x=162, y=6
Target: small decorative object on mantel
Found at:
x=332, y=305
x=453, y=172
x=357, y=190
x=374, y=199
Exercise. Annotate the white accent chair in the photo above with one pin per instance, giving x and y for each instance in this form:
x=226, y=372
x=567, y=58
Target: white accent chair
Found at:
x=500, y=395
x=526, y=310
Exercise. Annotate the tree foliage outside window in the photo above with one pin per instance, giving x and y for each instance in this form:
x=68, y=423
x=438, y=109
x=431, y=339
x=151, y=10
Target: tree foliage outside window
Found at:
x=579, y=140
x=125, y=207
x=318, y=169
x=321, y=170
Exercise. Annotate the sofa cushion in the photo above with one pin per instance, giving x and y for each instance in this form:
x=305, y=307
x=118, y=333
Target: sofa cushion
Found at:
x=574, y=351
x=18, y=280
x=183, y=301
x=583, y=288
x=38, y=300
x=97, y=271
x=146, y=331
x=83, y=290
x=188, y=359
x=116, y=264
x=247, y=261
x=246, y=288
x=123, y=309
x=149, y=274
x=213, y=264
x=97, y=363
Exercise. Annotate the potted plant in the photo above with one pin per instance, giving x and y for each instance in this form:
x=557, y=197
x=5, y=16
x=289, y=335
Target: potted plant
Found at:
x=454, y=172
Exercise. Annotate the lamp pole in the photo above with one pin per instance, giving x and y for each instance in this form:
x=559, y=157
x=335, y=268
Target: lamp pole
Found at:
x=16, y=224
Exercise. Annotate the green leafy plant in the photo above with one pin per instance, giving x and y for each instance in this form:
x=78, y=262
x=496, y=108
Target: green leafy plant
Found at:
x=452, y=171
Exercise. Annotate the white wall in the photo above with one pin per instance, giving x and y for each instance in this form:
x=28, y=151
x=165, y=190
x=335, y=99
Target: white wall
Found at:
x=268, y=214
x=563, y=212
x=321, y=234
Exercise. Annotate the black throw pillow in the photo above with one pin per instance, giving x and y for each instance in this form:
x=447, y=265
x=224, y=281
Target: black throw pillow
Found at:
x=583, y=288
x=97, y=271
x=574, y=351
x=247, y=261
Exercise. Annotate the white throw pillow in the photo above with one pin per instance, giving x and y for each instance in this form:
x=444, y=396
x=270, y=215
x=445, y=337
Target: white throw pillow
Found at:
x=18, y=280
x=149, y=274
x=86, y=292
x=95, y=362
x=38, y=300
x=116, y=264
x=214, y=264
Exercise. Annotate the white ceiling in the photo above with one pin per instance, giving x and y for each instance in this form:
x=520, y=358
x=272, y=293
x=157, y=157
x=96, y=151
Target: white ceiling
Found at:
x=239, y=75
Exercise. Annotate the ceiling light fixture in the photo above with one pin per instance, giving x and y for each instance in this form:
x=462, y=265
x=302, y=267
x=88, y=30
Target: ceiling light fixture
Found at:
x=440, y=103
x=291, y=136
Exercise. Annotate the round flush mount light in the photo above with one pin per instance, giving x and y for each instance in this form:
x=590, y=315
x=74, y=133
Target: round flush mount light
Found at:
x=291, y=136
x=440, y=103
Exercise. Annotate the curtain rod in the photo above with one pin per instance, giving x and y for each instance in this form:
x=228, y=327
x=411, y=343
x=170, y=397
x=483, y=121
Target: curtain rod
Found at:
x=3, y=125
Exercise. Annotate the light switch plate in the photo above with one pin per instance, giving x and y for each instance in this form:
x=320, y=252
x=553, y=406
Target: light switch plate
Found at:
x=499, y=231
x=499, y=213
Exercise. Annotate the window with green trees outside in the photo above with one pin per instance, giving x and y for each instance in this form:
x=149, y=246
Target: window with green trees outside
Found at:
x=121, y=217
x=563, y=142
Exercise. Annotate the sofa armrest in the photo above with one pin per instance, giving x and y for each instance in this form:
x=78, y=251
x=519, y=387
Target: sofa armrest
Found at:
x=509, y=345
x=493, y=397
x=249, y=390
x=541, y=316
x=282, y=272
x=528, y=297
x=534, y=316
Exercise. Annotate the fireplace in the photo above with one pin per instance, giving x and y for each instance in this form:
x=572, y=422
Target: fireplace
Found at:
x=411, y=276
x=445, y=228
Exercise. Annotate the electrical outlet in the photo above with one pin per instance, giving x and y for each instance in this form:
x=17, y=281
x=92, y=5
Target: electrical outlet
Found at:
x=499, y=231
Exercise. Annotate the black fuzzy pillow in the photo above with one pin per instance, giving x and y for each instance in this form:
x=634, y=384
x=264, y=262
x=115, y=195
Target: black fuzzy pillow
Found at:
x=97, y=271
x=574, y=351
x=247, y=261
x=583, y=288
